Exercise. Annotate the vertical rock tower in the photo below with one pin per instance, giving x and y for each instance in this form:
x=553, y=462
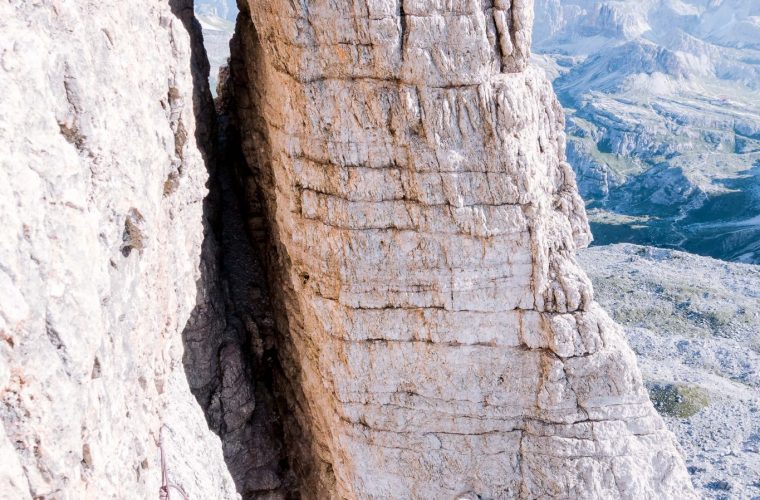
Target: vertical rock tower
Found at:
x=438, y=337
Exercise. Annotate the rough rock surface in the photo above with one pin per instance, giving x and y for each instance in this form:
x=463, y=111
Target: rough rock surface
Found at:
x=436, y=333
x=101, y=188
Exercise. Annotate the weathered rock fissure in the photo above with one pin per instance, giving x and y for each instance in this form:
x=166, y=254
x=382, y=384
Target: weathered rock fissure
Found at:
x=253, y=180
x=230, y=348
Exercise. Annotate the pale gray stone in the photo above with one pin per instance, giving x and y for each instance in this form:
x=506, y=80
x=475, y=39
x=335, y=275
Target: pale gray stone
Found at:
x=101, y=189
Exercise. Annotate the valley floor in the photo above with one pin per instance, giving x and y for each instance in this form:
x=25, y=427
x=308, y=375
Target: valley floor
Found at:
x=694, y=323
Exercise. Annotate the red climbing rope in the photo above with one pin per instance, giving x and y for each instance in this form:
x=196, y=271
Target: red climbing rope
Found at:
x=163, y=492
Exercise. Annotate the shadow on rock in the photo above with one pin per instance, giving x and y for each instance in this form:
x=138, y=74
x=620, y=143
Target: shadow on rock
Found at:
x=229, y=353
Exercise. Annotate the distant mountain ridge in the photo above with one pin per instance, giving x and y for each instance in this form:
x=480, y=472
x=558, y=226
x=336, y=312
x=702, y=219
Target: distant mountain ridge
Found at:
x=663, y=117
x=217, y=18
x=225, y=9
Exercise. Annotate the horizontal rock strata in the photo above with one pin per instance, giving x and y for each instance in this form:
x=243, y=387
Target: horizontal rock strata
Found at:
x=436, y=332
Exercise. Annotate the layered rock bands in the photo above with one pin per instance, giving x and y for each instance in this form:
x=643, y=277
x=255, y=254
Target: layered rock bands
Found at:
x=437, y=337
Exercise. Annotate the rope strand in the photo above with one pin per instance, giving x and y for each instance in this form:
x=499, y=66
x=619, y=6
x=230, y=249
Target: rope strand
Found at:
x=166, y=486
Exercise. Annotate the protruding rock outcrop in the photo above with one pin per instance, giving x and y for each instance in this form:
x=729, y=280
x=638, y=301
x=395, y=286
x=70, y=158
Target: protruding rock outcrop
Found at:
x=436, y=334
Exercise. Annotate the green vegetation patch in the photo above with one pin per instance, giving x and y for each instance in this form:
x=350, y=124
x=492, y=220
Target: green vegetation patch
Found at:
x=678, y=400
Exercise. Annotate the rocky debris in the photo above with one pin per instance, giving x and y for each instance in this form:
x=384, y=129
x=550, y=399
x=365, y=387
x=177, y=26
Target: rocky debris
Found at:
x=694, y=324
x=436, y=336
x=103, y=102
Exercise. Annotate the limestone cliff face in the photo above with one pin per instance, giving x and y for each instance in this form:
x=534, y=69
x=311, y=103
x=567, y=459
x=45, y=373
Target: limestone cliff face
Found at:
x=437, y=337
x=101, y=191
x=425, y=331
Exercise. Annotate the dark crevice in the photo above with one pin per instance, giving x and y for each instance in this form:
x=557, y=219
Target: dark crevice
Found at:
x=403, y=28
x=230, y=356
x=203, y=104
x=310, y=461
